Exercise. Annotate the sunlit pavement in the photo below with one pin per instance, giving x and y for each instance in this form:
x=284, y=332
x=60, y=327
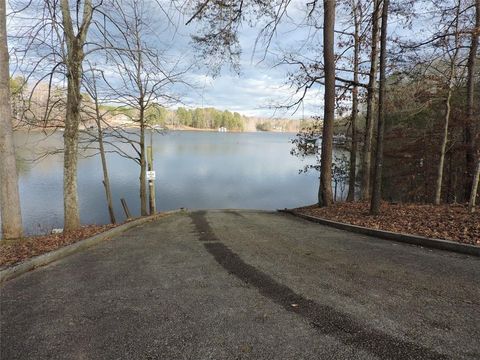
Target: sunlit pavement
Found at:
x=245, y=285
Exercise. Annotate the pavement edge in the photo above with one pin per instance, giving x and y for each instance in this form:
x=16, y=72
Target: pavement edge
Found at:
x=388, y=235
x=11, y=272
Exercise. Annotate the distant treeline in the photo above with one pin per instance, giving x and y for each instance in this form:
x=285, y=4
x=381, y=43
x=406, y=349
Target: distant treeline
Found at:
x=30, y=105
x=199, y=118
x=208, y=118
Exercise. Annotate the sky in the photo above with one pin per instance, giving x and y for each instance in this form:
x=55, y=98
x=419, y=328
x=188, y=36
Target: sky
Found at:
x=255, y=91
x=261, y=84
x=259, y=87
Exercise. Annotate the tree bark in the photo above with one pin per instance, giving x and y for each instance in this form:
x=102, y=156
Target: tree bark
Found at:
x=151, y=183
x=70, y=135
x=325, y=197
x=471, y=127
x=448, y=110
x=143, y=168
x=377, y=180
x=474, y=190
x=353, y=151
x=9, y=194
x=106, y=179
x=74, y=58
x=443, y=147
x=372, y=80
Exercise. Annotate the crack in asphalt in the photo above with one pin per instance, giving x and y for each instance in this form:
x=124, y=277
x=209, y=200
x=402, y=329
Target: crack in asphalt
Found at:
x=323, y=318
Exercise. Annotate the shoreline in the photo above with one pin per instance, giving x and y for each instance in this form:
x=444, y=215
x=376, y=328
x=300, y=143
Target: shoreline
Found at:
x=83, y=129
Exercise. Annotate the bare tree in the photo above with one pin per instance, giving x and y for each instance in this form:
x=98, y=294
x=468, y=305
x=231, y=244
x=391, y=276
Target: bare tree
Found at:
x=442, y=59
x=471, y=127
x=60, y=45
x=99, y=116
x=357, y=13
x=377, y=181
x=9, y=196
x=371, y=91
x=144, y=78
x=450, y=82
x=74, y=43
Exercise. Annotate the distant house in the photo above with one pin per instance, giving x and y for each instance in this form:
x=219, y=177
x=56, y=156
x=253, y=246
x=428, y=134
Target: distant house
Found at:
x=120, y=120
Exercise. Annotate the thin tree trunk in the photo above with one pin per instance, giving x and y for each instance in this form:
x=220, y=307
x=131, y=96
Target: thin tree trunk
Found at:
x=353, y=151
x=325, y=197
x=471, y=127
x=98, y=120
x=335, y=192
x=448, y=110
x=106, y=179
x=141, y=103
x=143, y=168
x=9, y=195
x=473, y=192
x=151, y=183
x=443, y=147
x=372, y=80
x=377, y=180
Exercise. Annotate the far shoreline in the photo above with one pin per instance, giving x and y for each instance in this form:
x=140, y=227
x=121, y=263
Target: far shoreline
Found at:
x=50, y=130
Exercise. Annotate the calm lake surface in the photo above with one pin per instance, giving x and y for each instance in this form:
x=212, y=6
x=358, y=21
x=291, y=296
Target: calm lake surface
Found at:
x=195, y=170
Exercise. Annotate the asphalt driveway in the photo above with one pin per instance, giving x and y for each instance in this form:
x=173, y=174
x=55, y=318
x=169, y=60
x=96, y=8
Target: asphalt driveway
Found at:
x=245, y=285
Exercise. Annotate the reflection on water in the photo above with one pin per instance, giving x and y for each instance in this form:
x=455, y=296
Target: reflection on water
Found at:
x=194, y=170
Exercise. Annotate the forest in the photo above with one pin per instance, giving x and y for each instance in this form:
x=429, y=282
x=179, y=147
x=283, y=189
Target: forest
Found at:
x=30, y=104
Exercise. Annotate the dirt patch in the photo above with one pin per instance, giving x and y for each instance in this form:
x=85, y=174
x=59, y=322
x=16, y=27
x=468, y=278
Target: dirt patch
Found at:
x=448, y=222
x=14, y=251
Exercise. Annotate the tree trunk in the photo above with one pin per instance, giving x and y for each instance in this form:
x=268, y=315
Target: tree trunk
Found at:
x=325, y=197
x=9, y=195
x=471, y=127
x=474, y=190
x=448, y=110
x=106, y=179
x=143, y=168
x=70, y=136
x=372, y=79
x=377, y=179
x=439, y=180
x=151, y=183
x=73, y=62
x=353, y=151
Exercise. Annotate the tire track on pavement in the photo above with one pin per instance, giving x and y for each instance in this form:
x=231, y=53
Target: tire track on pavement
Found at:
x=326, y=319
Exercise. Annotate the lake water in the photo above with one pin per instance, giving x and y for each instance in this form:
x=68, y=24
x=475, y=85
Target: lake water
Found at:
x=195, y=170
